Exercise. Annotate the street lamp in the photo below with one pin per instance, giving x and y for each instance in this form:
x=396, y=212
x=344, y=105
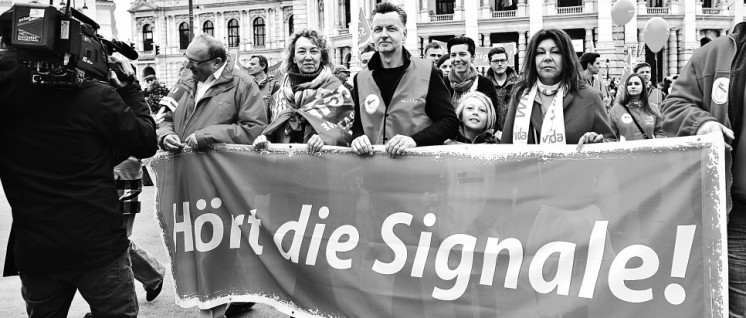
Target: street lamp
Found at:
x=607, y=69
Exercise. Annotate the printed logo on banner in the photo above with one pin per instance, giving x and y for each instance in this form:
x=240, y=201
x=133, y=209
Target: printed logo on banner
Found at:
x=720, y=90
x=627, y=119
x=371, y=103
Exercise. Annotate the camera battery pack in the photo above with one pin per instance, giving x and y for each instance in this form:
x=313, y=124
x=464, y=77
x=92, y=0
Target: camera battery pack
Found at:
x=34, y=26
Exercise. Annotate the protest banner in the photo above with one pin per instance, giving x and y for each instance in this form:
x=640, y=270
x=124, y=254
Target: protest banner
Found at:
x=617, y=230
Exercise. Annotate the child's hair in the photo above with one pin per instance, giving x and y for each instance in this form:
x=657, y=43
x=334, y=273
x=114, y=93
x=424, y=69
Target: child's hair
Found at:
x=491, y=117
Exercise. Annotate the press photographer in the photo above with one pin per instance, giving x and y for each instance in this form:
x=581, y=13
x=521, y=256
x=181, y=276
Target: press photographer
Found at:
x=63, y=129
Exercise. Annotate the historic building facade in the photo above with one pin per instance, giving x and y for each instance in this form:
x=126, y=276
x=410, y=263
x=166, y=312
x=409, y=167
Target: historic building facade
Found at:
x=589, y=23
x=160, y=29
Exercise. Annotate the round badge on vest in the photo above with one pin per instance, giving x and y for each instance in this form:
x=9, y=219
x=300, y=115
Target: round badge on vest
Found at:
x=627, y=119
x=720, y=90
x=371, y=103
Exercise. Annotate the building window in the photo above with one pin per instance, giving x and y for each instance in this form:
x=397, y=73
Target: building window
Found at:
x=208, y=28
x=259, y=32
x=503, y=5
x=347, y=14
x=569, y=3
x=233, y=38
x=291, y=26
x=147, y=38
x=655, y=3
x=444, y=6
x=183, y=35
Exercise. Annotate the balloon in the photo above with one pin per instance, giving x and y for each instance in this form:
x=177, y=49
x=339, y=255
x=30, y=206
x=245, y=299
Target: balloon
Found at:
x=622, y=12
x=656, y=33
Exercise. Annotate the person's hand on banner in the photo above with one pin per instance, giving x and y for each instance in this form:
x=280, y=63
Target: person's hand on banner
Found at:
x=589, y=138
x=713, y=126
x=315, y=144
x=361, y=145
x=261, y=142
x=191, y=141
x=172, y=143
x=397, y=145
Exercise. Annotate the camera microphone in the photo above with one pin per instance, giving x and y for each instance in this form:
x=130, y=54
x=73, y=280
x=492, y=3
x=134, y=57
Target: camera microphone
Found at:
x=121, y=47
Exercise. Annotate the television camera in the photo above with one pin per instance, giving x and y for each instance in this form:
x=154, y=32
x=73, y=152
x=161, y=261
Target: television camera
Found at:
x=61, y=47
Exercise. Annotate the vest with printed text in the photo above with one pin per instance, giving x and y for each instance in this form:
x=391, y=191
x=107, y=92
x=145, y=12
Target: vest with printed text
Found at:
x=406, y=114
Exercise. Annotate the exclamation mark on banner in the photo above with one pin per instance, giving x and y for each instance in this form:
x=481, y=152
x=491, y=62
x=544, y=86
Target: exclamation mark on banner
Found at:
x=675, y=294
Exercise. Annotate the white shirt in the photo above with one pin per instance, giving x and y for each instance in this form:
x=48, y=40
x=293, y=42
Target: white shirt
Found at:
x=202, y=87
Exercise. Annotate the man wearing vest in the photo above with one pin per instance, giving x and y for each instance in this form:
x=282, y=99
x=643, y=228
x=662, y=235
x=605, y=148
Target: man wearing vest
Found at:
x=400, y=100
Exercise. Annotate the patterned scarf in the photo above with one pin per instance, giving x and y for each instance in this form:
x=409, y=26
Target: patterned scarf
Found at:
x=319, y=105
x=461, y=85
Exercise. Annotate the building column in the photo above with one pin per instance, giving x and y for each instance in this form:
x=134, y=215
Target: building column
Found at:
x=688, y=28
x=271, y=22
x=680, y=45
x=458, y=10
x=471, y=9
x=738, y=15
x=641, y=43
x=161, y=30
x=589, y=40
x=724, y=32
x=244, y=31
x=535, y=16
x=486, y=10
x=521, y=48
x=521, y=8
x=338, y=15
x=673, y=53
x=424, y=11
x=487, y=40
x=604, y=37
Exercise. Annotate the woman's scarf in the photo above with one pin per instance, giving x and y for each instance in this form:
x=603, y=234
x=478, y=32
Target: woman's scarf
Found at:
x=320, y=106
x=461, y=85
x=553, y=124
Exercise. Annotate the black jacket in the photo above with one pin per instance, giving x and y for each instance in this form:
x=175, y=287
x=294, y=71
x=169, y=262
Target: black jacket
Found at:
x=56, y=164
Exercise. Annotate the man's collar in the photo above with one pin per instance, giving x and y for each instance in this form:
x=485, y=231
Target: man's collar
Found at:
x=375, y=61
x=217, y=73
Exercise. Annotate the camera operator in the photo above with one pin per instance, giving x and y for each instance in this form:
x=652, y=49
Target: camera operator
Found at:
x=57, y=151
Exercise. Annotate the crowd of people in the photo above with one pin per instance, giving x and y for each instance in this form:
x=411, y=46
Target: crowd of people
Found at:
x=399, y=101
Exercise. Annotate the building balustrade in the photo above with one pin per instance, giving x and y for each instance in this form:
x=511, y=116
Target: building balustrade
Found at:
x=503, y=14
x=657, y=10
x=441, y=17
x=570, y=10
x=711, y=11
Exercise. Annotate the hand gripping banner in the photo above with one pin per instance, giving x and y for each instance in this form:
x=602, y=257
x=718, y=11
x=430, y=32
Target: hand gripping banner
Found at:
x=633, y=229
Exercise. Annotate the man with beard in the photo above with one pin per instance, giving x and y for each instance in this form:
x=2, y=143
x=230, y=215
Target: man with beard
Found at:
x=400, y=100
x=503, y=77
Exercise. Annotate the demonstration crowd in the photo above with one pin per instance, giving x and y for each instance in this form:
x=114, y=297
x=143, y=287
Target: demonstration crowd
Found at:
x=403, y=101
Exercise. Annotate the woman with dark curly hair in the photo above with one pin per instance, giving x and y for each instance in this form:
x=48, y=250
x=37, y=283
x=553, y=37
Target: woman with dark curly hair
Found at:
x=310, y=98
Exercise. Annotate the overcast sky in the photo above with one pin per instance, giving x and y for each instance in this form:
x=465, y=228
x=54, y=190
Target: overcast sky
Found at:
x=123, y=19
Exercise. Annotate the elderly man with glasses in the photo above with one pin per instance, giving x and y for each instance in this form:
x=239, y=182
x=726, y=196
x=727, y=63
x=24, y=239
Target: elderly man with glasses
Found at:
x=215, y=104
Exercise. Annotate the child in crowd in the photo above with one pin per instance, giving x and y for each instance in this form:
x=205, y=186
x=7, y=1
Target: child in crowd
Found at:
x=478, y=118
x=633, y=118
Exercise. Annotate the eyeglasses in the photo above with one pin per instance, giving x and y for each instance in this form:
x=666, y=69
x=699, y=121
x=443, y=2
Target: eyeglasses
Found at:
x=197, y=63
x=499, y=61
